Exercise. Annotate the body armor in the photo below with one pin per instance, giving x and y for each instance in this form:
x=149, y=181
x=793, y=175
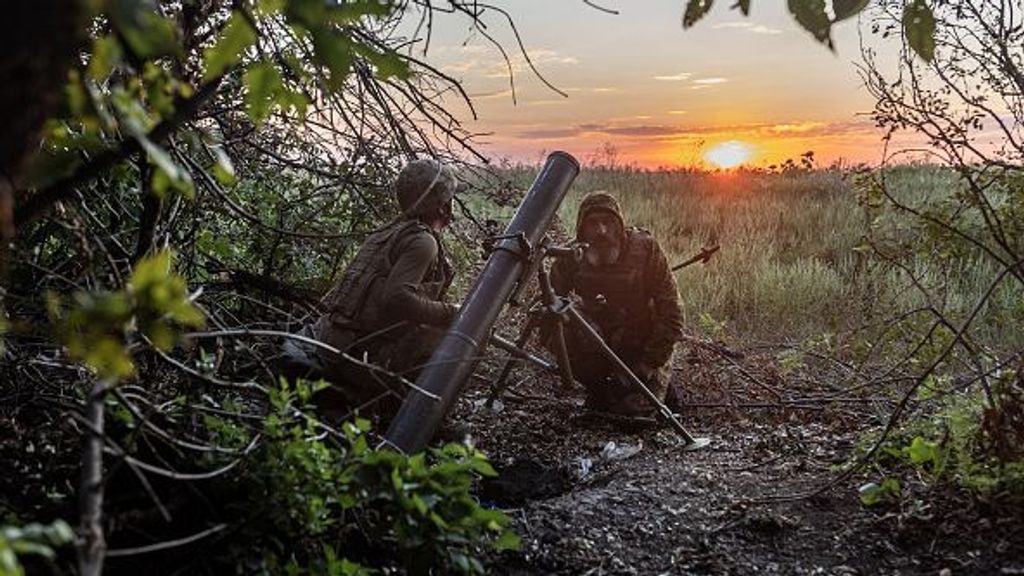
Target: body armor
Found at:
x=616, y=296
x=354, y=303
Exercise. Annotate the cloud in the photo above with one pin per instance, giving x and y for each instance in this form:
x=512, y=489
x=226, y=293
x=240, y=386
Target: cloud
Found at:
x=796, y=128
x=489, y=63
x=678, y=112
x=755, y=131
x=748, y=27
x=639, y=131
x=642, y=131
x=681, y=77
x=506, y=93
x=541, y=58
x=705, y=83
x=547, y=102
x=549, y=134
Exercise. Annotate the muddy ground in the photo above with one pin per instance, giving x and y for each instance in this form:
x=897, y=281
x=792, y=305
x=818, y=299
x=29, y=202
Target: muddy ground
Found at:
x=592, y=495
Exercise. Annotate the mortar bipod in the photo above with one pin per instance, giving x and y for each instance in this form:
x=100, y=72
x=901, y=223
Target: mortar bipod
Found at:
x=560, y=310
x=542, y=308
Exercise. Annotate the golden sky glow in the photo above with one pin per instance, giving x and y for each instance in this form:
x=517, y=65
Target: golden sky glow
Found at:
x=660, y=95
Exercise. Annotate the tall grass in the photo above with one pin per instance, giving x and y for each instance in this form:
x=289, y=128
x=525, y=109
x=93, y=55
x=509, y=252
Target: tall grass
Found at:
x=793, y=264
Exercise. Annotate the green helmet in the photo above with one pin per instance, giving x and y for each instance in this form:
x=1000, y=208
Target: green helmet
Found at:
x=425, y=189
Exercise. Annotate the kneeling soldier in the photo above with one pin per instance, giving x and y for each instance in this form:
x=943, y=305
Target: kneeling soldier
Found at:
x=389, y=306
x=629, y=295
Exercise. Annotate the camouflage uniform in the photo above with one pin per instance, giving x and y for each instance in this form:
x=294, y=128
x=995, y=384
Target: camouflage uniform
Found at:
x=633, y=303
x=387, y=308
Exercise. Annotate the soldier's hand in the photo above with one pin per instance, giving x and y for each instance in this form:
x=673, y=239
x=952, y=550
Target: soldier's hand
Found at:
x=453, y=312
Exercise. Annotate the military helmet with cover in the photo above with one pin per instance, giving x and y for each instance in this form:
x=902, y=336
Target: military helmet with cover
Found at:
x=425, y=189
x=598, y=201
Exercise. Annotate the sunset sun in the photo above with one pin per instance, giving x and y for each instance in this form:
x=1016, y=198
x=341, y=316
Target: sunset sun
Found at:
x=729, y=154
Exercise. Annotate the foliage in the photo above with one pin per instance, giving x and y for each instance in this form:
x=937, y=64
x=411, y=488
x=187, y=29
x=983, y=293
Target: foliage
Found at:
x=812, y=15
x=98, y=325
x=958, y=445
x=963, y=407
x=255, y=140
x=31, y=540
x=416, y=512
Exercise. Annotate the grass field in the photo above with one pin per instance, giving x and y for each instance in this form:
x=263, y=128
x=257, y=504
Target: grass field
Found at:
x=793, y=263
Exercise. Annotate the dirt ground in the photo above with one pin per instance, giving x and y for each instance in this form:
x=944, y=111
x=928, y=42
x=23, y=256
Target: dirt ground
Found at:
x=598, y=496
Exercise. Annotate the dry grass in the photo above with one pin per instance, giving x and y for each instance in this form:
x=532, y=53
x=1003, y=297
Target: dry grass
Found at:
x=792, y=264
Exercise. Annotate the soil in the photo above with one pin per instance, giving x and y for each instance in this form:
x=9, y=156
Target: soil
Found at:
x=593, y=495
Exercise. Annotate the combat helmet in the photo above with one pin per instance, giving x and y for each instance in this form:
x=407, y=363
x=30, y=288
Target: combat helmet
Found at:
x=425, y=189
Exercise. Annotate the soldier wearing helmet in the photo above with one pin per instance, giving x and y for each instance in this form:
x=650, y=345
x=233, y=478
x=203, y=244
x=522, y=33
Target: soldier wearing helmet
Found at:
x=389, y=304
x=629, y=294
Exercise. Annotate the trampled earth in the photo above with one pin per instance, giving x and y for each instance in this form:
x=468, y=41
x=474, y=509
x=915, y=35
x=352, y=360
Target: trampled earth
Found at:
x=594, y=495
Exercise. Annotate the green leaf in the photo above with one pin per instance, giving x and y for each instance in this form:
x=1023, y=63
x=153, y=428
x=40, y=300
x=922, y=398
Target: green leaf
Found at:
x=236, y=37
x=108, y=356
x=872, y=493
x=743, y=5
x=167, y=174
x=811, y=15
x=106, y=55
x=333, y=51
x=922, y=451
x=388, y=64
x=224, y=169
x=508, y=540
x=263, y=84
x=919, y=28
x=308, y=13
x=695, y=10
x=312, y=13
x=145, y=31
x=847, y=8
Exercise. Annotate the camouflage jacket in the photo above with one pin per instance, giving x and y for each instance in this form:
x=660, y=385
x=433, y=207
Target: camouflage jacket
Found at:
x=633, y=301
x=399, y=275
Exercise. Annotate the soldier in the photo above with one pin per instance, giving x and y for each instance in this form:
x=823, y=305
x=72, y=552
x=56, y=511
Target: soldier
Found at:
x=389, y=305
x=629, y=295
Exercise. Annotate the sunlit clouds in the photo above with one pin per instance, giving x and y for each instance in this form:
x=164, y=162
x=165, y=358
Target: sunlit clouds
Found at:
x=659, y=95
x=681, y=77
x=748, y=27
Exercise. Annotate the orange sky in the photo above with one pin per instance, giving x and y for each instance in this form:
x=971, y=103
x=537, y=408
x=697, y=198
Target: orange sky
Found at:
x=658, y=94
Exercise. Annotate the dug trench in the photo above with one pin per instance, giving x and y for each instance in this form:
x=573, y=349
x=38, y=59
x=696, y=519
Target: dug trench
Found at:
x=592, y=496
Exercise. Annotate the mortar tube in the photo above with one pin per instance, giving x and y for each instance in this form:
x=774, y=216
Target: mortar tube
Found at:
x=453, y=359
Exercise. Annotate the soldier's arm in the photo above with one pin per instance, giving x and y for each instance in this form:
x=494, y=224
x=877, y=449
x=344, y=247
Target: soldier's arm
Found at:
x=402, y=297
x=668, y=317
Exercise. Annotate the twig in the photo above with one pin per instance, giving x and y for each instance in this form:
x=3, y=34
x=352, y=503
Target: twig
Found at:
x=93, y=544
x=121, y=552
x=313, y=342
x=601, y=8
x=754, y=379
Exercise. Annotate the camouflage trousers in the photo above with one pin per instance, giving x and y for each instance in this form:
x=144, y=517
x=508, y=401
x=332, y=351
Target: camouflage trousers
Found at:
x=606, y=389
x=358, y=389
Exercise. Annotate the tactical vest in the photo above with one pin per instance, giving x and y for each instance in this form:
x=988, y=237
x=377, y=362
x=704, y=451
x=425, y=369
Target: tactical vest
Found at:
x=616, y=295
x=354, y=303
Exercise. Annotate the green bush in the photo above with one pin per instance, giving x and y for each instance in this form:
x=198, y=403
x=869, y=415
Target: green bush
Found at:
x=30, y=540
x=971, y=441
x=312, y=496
